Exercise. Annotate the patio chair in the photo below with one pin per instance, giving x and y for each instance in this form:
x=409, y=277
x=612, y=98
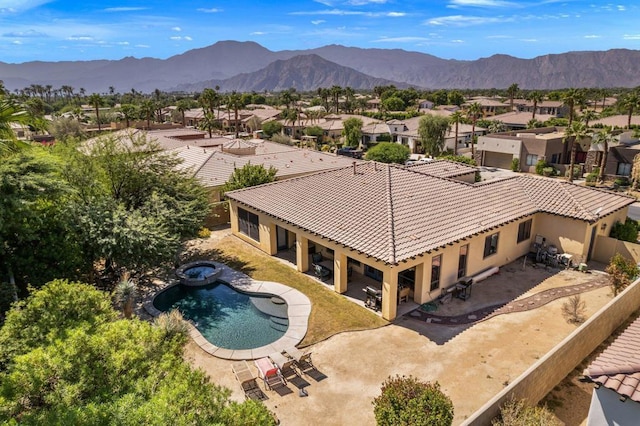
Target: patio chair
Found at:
x=293, y=353
x=269, y=373
x=304, y=364
x=321, y=272
x=247, y=381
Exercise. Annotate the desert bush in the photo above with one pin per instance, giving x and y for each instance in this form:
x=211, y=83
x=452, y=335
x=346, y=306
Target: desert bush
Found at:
x=518, y=413
x=574, y=309
x=540, y=166
x=408, y=401
x=515, y=165
x=172, y=323
x=622, y=271
x=204, y=233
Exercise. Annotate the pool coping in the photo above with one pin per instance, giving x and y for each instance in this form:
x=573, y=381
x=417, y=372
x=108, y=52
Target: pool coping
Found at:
x=298, y=311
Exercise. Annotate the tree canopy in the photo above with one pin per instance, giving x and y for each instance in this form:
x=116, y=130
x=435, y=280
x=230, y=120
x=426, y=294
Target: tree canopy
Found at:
x=433, y=130
x=352, y=131
x=68, y=360
x=389, y=152
x=249, y=175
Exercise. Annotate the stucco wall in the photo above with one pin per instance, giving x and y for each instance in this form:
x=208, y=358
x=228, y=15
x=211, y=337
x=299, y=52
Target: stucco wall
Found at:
x=568, y=235
x=504, y=145
x=607, y=247
x=535, y=383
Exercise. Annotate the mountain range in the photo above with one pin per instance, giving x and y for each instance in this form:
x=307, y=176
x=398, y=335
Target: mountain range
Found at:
x=248, y=66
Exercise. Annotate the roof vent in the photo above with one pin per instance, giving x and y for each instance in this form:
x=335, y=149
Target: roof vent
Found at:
x=354, y=168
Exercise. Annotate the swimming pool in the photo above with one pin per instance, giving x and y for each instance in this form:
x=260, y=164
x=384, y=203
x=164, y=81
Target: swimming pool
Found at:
x=228, y=318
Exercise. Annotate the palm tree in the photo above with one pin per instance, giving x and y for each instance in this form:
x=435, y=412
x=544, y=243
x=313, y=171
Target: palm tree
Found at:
x=474, y=111
x=95, y=100
x=208, y=123
x=234, y=100
x=535, y=97
x=336, y=91
x=630, y=103
x=456, y=118
x=324, y=94
x=512, y=91
x=182, y=106
x=574, y=133
x=571, y=98
x=10, y=113
x=128, y=111
x=604, y=136
x=588, y=116
x=147, y=109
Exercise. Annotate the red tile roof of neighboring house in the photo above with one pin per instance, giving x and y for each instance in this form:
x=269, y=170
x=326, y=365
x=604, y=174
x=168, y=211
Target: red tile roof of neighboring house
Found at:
x=393, y=213
x=443, y=168
x=618, y=366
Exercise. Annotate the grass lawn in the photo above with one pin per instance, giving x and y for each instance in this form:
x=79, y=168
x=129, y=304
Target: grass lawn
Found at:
x=331, y=313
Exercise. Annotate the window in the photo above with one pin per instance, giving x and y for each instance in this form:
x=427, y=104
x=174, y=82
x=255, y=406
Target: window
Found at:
x=248, y=224
x=436, y=263
x=491, y=244
x=532, y=159
x=524, y=230
x=624, y=169
x=555, y=158
x=462, y=261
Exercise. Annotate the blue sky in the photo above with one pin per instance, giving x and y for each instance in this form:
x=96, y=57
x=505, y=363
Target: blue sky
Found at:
x=51, y=30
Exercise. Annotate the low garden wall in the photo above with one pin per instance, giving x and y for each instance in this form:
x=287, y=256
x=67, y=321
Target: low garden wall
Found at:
x=535, y=383
x=606, y=247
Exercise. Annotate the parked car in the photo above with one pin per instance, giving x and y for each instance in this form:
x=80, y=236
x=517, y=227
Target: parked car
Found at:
x=349, y=151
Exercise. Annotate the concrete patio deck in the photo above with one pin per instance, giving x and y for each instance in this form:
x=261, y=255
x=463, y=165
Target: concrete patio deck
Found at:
x=471, y=362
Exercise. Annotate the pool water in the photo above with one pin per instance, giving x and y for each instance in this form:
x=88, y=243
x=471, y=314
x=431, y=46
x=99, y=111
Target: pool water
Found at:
x=225, y=317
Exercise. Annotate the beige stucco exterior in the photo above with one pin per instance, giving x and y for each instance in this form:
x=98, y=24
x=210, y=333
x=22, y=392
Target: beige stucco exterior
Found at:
x=569, y=235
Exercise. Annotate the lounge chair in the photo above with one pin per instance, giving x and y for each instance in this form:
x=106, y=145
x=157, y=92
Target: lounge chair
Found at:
x=293, y=353
x=269, y=373
x=304, y=364
x=247, y=381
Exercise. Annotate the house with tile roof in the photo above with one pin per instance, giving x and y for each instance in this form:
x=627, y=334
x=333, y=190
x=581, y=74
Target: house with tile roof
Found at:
x=616, y=375
x=406, y=133
x=418, y=230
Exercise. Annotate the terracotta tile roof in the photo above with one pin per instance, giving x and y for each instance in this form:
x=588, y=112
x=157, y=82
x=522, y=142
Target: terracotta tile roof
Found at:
x=618, y=120
x=393, y=213
x=618, y=366
x=443, y=168
x=521, y=118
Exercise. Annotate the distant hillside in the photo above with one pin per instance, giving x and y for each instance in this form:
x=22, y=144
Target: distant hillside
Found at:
x=303, y=72
x=225, y=60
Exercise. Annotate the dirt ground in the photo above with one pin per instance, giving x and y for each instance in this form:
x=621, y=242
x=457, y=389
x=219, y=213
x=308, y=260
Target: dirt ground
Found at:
x=471, y=363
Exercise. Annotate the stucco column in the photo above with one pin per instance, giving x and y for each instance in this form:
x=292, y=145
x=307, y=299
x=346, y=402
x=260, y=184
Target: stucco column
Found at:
x=389, y=294
x=340, y=271
x=233, y=217
x=302, y=253
x=419, y=285
x=269, y=239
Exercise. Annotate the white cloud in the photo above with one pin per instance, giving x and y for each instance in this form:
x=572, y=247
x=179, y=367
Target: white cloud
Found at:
x=24, y=34
x=593, y=36
x=318, y=21
x=365, y=2
x=407, y=39
x=178, y=29
x=177, y=38
x=464, y=21
x=16, y=42
x=124, y=9
x=457, y=41
x=80, y=38
x=396, y=14
x=343, y=12
x=258, y=33
x=499, y=36
x=529, y=40
x=631, y=37
x=122, y=43
x=621, y=8
x=324, y=2
x=143, y=46
x=481, y=3
x=211, y=10
x=15, y=6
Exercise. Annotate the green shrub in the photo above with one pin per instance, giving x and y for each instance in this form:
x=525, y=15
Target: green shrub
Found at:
x=592, y=177
x=540, y=166
x=621, y=181
x=408, y=401
x=515, y=165
x=385, y=137
x=548, y=171
x=622, y=272
x=459, y=159
x=627, y=231
x=577, y=171
x=389, y=152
